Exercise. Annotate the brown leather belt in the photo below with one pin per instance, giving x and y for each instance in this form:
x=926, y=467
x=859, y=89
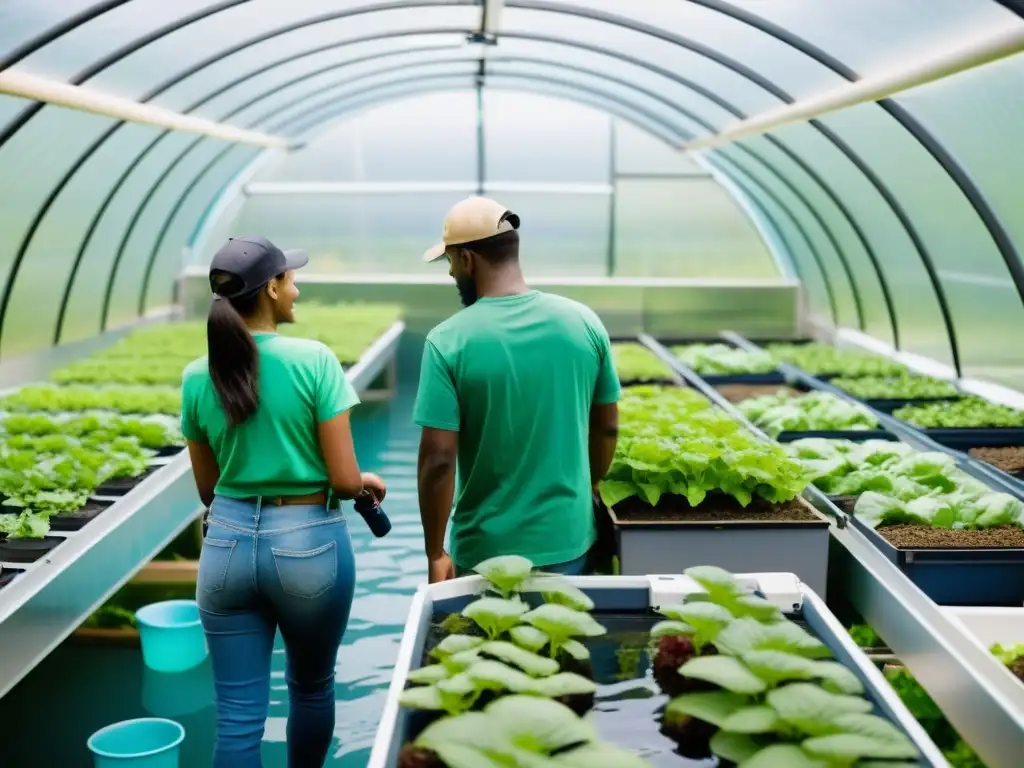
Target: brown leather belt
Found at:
x=311, y=499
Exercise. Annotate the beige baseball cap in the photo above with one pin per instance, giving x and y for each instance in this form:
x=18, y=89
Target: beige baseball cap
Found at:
x=472, y=219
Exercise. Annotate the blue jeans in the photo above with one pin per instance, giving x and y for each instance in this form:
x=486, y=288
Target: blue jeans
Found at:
x=577, y=567
x=264, y=568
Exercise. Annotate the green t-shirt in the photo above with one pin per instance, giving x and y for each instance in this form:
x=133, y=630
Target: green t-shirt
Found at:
x=276, y=451
x=516, y=376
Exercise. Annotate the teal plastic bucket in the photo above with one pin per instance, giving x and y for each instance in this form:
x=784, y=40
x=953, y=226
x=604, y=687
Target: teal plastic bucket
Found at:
x=148, y=742
x=171, y=636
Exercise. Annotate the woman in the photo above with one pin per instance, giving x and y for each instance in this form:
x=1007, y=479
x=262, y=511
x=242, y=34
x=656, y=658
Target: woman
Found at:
x=267, y=423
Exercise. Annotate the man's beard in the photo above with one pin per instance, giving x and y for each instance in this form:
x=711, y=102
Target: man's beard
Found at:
x=467, y=291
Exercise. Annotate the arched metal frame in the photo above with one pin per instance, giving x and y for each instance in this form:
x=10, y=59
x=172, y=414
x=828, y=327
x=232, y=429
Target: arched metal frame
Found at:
x=949, y=164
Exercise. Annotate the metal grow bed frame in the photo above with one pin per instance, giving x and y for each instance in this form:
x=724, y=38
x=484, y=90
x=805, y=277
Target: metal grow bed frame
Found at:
x=51, y=597
x=639, y=593
x=982, y=701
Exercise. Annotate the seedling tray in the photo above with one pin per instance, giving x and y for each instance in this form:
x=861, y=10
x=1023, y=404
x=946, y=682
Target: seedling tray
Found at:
x=169, y=450
x=948, y=576
x=671, y=546
x=839, y=434
x=78, y=519
x=26, y=550
x=119, y=486
x=965, y=438
x=892, y=404
x=665, y=382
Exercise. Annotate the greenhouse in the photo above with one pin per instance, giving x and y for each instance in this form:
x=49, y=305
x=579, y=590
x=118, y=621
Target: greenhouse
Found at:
x=800, y=224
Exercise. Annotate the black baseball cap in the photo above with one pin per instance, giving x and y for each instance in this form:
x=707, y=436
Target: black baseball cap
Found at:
x=245, y=264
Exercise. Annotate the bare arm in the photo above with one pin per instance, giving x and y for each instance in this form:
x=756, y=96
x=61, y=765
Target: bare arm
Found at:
x=340, y=456
x=604, y=435
x=438, y=451
x=204, y=469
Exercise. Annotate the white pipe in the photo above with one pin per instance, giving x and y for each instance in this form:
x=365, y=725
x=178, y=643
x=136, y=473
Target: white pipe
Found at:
x=983, y=49
x=18, y=83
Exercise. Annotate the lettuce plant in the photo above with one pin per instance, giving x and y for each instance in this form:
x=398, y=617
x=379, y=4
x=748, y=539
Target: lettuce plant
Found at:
x=968, y=412
x=27, y=525
x=814, y=411
x=776, y=699
x=54, y=399
x=721, y=359
x=819, y=358
x=673, y=441
x=634, y=362
x=909, y=387
x=515, y=731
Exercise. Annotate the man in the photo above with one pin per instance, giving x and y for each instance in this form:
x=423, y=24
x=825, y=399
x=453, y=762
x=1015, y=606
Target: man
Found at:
x=517, y=391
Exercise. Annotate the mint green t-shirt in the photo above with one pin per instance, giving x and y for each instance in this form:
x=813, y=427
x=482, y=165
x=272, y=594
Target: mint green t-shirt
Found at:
x=516, y=376
x=276, y=451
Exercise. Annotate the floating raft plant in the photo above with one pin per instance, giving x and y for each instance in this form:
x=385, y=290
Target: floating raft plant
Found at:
x=758, y=691
x=509, y=683
x=781, y=415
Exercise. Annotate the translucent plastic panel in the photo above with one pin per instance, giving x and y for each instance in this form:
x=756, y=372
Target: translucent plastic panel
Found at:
x=375, y=146
x=770, y=57
x=815, y=229
x=207, y=40
x=652, y=105
x=537, y=138
x=10, y=107
x=128, y=278
x=716, y=77
x=279, y=110
x=685, y=228
x=637, y=152
x=22, y=20
x=814, y=186
x=169, y=251
x=670, y=84
x=958, y=241
x=36, y=158
x=917, y=308
x=50, y=258
x=794, y=236
x=88, y=43
x=873, y=36
x=989, y=149
x=371, y=234
x=319, y=70
x=86, y=300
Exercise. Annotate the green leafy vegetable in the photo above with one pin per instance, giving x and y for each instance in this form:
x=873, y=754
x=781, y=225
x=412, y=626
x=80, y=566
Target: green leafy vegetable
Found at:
x=819, y=359
x=815, y=411
x=721, y=359
x=964, y=413
x=908, y=387
x=634, y=362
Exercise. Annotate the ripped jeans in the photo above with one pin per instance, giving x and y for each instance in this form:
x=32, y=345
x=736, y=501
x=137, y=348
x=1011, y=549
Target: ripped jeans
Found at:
x=264, y=568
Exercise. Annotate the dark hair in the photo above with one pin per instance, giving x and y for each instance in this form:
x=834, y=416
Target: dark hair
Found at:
x=497, y=249
x=234, y=360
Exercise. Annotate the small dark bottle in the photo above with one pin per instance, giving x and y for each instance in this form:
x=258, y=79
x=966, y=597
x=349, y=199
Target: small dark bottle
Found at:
x=372, y=513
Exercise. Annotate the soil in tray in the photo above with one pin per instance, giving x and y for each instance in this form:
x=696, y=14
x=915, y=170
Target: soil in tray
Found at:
x=77, y=519
x=1010, y=459
x=714, y=508
x=737, y=393
x=925, y=537
x=27, y=550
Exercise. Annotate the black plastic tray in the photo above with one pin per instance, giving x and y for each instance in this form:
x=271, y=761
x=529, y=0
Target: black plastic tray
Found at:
x=857, y=435
x=7, y=575
x=965, y=438
x=77, y=520
x=119, y=486
x=27, y=550
x=773, y=377
x=892, y=404
x=169, y=450
x=988, y=577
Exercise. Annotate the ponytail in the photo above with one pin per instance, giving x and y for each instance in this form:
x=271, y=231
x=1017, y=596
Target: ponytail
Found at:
x=233, y=358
